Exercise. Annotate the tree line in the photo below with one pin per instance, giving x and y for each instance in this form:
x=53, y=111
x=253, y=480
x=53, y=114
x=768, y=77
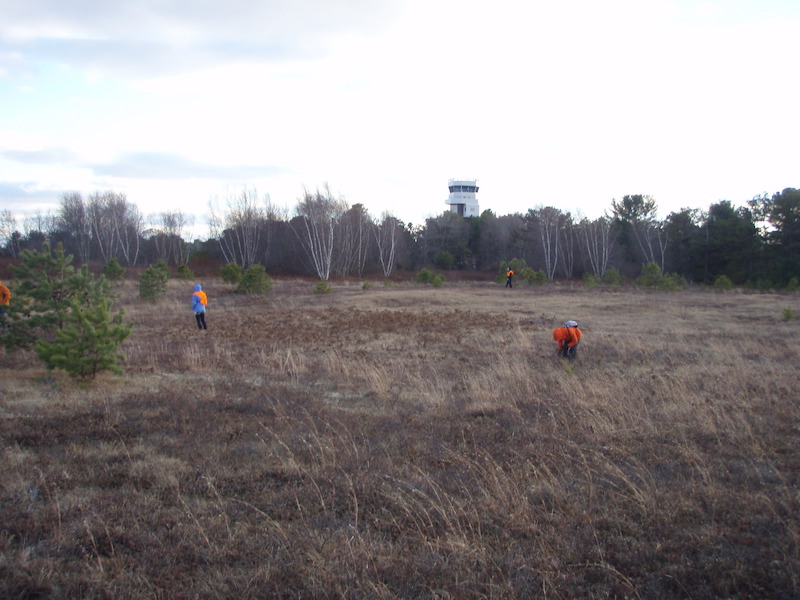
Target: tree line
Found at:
x=326, y=237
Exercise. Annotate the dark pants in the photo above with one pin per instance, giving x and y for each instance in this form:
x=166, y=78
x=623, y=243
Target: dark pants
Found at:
x=568, y=353
x=201, y=320
x=508, y=283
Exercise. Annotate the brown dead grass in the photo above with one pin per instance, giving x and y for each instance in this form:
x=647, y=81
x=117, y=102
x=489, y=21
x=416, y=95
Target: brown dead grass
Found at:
x=408, y=442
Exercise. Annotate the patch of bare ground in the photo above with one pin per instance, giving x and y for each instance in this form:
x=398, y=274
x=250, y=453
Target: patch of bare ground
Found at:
x=411, y=442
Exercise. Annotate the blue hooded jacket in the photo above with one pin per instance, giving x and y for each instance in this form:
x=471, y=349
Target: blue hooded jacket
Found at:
x=197, y=304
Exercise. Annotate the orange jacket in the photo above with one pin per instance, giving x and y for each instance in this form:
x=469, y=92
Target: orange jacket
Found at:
x=510, y=273
x=5, y=295
x=203, y=297
x=567, y=336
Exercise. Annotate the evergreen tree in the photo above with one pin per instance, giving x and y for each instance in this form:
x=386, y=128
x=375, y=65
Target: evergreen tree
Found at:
x=88, y=343
x=255, y=280
x=45, y=283
x=65, y=314
x=153, y=282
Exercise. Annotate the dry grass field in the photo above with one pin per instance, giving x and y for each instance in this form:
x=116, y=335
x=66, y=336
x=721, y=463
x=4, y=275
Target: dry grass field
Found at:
x=412, y=442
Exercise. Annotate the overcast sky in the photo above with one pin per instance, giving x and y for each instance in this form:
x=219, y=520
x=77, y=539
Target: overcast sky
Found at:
x=565, y=104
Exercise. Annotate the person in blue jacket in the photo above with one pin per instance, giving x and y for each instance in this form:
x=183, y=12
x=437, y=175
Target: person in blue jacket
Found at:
x=199, y=302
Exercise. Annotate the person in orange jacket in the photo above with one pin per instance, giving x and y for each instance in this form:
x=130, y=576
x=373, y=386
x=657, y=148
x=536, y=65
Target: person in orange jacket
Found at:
x=509, y=275
x=5, y=298
x=568, y=337
x=199, y=302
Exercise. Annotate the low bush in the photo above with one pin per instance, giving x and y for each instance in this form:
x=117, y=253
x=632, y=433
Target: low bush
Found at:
x=113, y=271
x=323, y=287
x=255, y=280
x=723, y=283
x=231, y=273
x=185, y=273
x=153, y=283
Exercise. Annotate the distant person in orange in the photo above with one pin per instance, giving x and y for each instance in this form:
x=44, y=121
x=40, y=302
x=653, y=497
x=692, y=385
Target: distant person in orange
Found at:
x=199, y=302
x=5, y=298
x=509, y=275
x=568, y=337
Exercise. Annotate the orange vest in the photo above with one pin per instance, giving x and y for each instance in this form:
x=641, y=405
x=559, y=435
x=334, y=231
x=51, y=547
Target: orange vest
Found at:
x=203, y=297
x=567, y=337
x=5, y=295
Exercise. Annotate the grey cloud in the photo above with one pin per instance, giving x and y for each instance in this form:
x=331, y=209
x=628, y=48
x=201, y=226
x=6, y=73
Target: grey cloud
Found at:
x=159, y=36
x=46, y=156
x=19, y=197
x=163, y=165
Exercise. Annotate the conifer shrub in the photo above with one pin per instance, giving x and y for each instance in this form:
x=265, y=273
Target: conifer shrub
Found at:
x=185, y=273
x=426, y=276
x=613, y=277
x=65, y=315
x=255, y=280
x=231, y=273
x=653, y=278
x=323, y=287
x=723, y=283
x=532, y=277
x=590, y=280
x=518, y=265
x=793, y=285
x=153, y=283
x=788, y=314
x=445, y=260
x=88, y=343
x=113, y=271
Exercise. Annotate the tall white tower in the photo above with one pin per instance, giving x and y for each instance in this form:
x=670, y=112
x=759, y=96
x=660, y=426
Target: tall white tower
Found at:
x=462, y=198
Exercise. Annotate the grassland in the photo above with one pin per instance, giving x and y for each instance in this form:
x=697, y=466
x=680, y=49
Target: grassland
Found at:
x=410, y=442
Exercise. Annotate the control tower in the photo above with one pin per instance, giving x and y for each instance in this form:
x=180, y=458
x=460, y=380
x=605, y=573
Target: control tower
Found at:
x=462, y=198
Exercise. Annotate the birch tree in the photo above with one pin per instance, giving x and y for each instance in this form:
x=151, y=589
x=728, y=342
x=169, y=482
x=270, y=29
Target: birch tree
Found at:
x=386, y=235
x=598, y=242
x=353, y=241
x=168, y=237
x=238, y=230
x=9, y=235
x=315, y=227
x=74, y=222
x=548, y=222
x=116, y=226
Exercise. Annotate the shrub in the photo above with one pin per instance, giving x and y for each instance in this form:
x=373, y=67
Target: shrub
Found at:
x=366, y=285
x=255, y=280
x=231, y=273
x=788, y=314
x=650, y=277
x=184, y=272
x=113, y=271
x=613, y=277
x=88, y=343
x=723, y=283
x=323, y=287
x=424, y=276
x=590, y=280
x=153, y=283
x=793, y=285
x=65, y=315
x=764, y=285
x=532, y=277
x=162, y=265
x=518, y=265
x=444, y=260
